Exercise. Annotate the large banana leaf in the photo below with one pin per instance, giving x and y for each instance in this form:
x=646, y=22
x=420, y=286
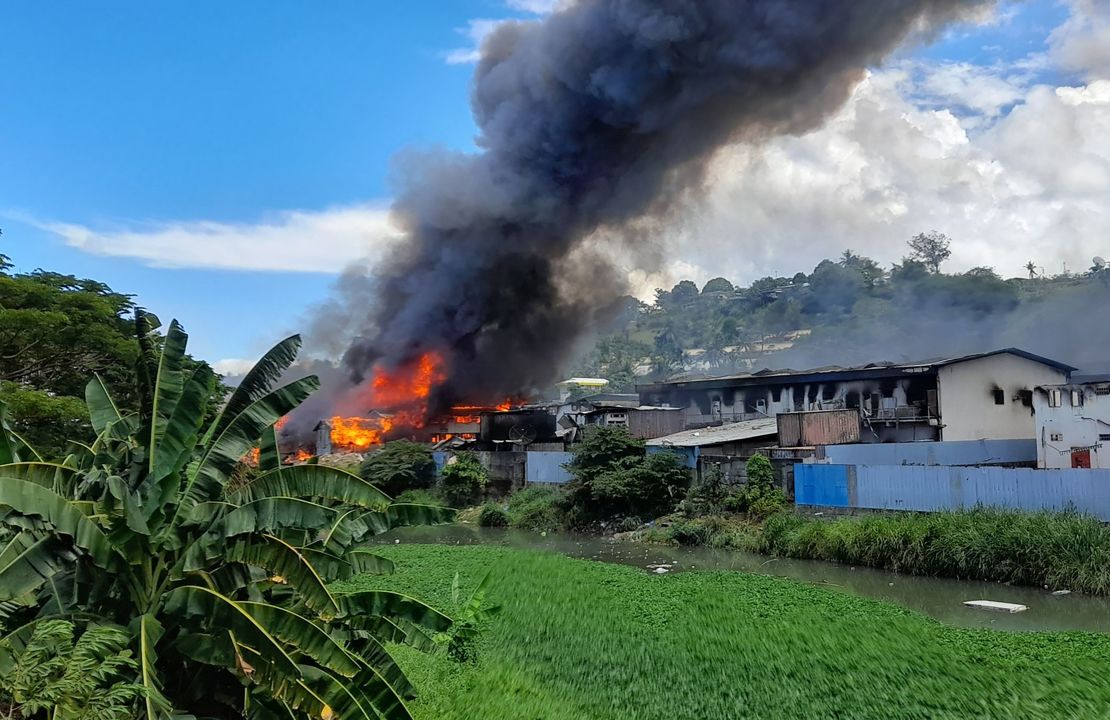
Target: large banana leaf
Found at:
x=257, y=383
x=220, y=611
x=50, y=475
x=366, y=695
x=314, y=481
x=352, y=526
x=102, y=408
x=206, y=478
x=305, y=636
x=146, y=366
x=150, y=631
x=27, y=498
x=28, y=561
x=269, y=455
x=272, y=514
x=392, y=605
x=283, y=561
x=179, y=436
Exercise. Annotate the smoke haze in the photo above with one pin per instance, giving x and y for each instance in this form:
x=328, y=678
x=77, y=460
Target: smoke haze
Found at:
x=596, y=122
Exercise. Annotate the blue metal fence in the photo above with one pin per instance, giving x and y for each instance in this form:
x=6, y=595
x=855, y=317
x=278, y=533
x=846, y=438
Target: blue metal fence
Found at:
x=932, y=488
x=547, y=467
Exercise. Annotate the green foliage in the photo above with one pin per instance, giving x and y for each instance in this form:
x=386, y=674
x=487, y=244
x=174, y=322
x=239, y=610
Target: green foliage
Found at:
x=717, y=285
x=493, y=515
x=399, y=466
x=931, y=249
x=1039, y=549
x=47, y=422
x=55, y=677
x=223, y=589
x=536, y=507
x=462, y=479
x=580, y=639
x=615, y=478
x=57, y=330
x=760, y=474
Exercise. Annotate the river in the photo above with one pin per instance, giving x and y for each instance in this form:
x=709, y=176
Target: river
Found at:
x=940, y=598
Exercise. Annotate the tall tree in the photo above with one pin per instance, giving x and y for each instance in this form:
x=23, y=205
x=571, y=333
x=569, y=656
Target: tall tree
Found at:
x=930, y=248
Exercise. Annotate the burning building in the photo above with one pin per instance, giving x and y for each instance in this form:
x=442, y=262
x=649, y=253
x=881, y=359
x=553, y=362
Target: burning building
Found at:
x=595, y=124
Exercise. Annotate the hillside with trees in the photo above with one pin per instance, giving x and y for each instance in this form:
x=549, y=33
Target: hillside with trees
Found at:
x=851, y=310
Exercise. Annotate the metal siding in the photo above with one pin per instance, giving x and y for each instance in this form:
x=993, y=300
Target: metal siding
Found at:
x=790, y=429
x=825, y=485
x=547, y=467
x=932, y=488
x=961, y=452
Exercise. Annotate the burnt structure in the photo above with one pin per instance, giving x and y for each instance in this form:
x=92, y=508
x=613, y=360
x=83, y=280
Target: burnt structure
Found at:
x=985, y=396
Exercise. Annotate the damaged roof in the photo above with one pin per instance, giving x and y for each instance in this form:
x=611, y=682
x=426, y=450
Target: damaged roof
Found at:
x=830, y=372
x=720, y=434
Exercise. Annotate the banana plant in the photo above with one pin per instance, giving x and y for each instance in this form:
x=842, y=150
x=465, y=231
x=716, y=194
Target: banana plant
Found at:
x=225, y=592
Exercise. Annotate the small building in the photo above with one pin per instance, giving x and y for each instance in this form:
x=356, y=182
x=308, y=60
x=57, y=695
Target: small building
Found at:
x=972, y=397
x=645, y=422
x=1073, y=423
x=738, y=439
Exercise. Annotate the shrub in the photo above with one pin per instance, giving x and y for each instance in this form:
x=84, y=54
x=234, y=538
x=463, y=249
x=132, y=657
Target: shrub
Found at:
x=615, y=478
x=66, y=679
x=767, y=504
x=398, y=466
x=463, y=479
x=537, y=508
x=421, y=497
x=493, y=516
x=761, y=474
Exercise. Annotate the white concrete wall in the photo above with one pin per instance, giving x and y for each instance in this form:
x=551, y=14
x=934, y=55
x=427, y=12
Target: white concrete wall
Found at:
x=966, y=396
x=1077, y=427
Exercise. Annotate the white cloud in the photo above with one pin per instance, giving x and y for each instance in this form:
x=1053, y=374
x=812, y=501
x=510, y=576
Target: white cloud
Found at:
x=233, y=367
x=1082, y=44
x=1030, y=183
x=476, y=31
x=537, y=7
x=297, y=241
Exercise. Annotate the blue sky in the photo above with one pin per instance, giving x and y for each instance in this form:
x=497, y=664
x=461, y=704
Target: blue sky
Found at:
x=181, y=120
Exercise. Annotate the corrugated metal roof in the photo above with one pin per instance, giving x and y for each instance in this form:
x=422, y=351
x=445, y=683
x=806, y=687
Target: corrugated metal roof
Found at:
x=732, y=432
x=787, y=373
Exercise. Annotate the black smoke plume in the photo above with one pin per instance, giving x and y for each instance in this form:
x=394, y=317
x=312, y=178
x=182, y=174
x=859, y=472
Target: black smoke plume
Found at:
x=597, y=122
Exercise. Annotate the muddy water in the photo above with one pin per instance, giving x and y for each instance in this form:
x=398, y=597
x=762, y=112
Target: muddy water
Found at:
x=937, y=597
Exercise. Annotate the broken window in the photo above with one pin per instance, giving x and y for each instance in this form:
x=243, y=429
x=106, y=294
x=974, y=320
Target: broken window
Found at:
x=1054, y=397
x=1077, y=398
x=1104, y=437
x=1102, y=390
x=999, y=396
x=1026, y=398
x=1056, y=437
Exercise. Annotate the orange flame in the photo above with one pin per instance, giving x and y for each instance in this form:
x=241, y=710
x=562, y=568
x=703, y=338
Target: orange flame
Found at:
x=303, y=456
x=358, y=433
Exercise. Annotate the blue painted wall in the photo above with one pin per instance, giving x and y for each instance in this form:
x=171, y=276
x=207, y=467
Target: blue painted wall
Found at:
x=932, y=488
x=547, y=467
x=966, y=452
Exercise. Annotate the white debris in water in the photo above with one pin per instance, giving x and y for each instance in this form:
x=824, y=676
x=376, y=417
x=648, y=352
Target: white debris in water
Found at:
x=1061, y=592
x=995, y=606
x=661, y=570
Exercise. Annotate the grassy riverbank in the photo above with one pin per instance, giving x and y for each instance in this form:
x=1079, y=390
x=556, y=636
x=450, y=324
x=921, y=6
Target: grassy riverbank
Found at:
x=586, y=640
x=1060, y=551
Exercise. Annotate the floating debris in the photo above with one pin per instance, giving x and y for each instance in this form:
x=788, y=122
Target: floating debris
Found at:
x=995, y=606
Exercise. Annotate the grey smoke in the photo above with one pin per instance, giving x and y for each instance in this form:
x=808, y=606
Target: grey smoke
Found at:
x=598, y=120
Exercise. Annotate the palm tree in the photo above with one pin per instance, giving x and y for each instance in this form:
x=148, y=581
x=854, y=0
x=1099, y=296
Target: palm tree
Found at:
x=1031, y=267
x=224, y=593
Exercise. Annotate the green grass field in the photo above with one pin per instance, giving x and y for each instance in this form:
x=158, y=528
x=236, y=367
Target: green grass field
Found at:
x=582, y=640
